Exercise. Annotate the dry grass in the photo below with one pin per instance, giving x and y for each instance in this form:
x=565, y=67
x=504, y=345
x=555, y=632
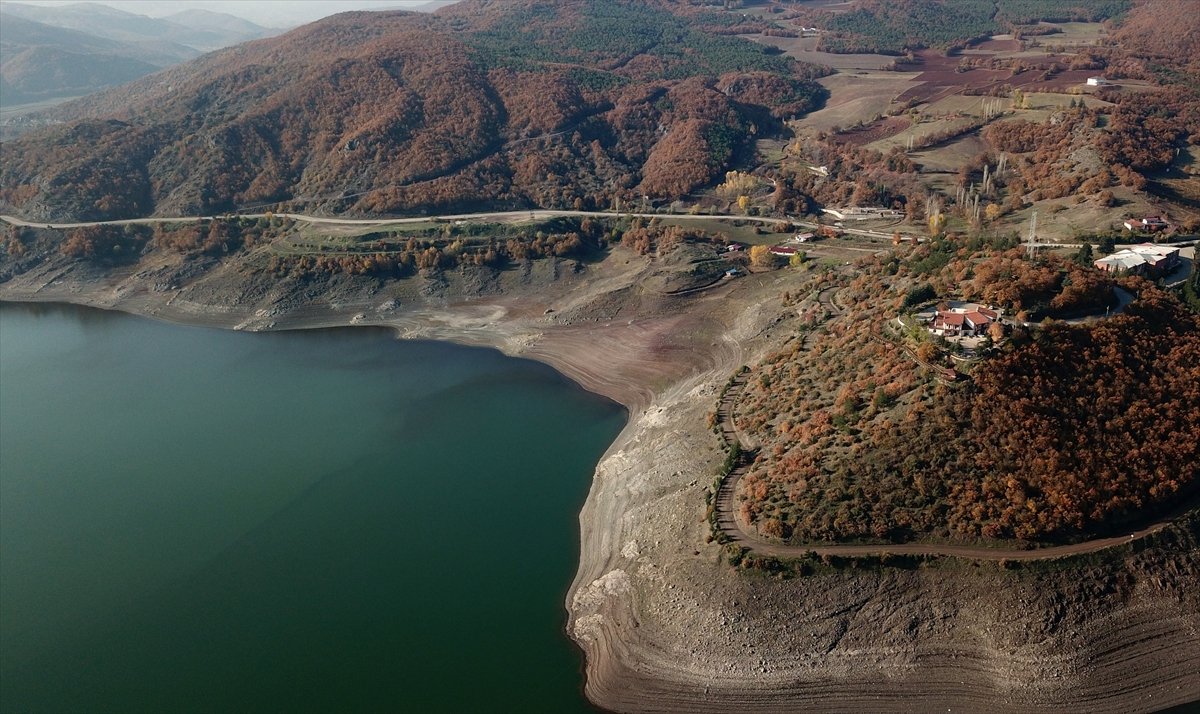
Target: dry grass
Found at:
x=949, y=157
x=805, y=50
x=854, y=97
x=920, y=131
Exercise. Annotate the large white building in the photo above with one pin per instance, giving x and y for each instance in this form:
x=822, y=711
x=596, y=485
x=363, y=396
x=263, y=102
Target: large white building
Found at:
x=1144, y=259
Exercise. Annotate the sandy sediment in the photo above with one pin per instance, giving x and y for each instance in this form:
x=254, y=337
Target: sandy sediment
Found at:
x=665, y=624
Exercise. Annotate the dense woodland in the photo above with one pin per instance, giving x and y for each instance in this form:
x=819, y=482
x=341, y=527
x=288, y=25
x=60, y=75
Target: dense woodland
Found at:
x=1067, y=430
x=555, y=104
x=897, y=26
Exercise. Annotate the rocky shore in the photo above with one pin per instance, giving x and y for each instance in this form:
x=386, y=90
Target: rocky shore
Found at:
x=667, y=624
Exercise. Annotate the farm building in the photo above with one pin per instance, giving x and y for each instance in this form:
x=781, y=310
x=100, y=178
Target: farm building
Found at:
x=1096, y=81
x=862, y=213
x=786, y=251
x=1149, y=224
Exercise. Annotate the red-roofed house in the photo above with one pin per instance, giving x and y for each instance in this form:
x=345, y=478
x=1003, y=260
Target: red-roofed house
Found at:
x=1149, y=223
x=966, y=321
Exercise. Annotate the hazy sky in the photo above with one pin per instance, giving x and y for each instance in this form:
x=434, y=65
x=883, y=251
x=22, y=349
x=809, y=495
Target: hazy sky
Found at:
x=270, y=13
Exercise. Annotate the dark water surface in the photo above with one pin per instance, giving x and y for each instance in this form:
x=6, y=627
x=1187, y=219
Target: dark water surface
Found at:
x=201, y=520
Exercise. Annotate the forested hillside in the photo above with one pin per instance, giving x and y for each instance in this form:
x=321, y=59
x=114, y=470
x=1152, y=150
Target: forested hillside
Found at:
x=1064, y=431
x=482, y=104
x=893, y=26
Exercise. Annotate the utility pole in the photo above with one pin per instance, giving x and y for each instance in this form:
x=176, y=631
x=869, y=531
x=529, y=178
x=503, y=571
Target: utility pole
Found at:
x=1031, y=246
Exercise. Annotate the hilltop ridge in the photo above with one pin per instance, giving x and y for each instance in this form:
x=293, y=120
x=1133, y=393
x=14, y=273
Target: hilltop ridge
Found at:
x=396, y=111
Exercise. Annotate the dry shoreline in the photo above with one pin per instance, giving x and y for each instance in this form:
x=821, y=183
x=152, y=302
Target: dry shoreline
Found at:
x=665, y=625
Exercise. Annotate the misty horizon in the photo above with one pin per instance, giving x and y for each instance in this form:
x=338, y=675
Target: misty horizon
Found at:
x=275, y=14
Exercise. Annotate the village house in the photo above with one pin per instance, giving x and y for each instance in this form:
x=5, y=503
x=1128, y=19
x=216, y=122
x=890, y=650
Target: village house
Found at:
x=786, y=251
x=1149, y=224
x=963, y=321
x=1145, y=259
x=1096, y=81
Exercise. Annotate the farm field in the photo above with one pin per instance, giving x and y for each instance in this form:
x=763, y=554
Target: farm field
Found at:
x=805, y=50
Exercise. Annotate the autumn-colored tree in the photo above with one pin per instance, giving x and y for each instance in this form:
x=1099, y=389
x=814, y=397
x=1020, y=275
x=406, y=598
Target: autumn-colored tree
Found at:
x=761, y=256
x=937, y=222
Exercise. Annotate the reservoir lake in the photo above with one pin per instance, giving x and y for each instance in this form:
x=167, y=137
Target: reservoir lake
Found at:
x=198, y=520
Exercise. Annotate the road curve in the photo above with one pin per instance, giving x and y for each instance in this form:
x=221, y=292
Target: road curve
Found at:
x=729, y=524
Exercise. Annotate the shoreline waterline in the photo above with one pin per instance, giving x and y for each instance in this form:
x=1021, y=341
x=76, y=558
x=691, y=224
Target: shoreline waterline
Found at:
x=563, y=591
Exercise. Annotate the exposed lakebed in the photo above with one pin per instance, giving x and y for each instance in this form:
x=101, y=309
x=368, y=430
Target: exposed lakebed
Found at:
x=202, y=520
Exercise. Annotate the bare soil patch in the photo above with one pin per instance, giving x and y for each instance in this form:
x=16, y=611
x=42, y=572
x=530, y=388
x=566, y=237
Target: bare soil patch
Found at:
x=940, y=78
x=882, y=129
x=999, y=43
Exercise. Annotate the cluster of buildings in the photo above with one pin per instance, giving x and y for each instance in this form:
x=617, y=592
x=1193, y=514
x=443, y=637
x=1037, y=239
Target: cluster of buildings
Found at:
x=1149, y=224
x=1145, y=259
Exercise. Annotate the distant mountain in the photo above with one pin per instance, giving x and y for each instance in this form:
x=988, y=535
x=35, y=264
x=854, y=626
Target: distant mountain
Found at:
x=40, y=62
x=199, y=30
x=228, y=26
x=515, y=103
x=67, y=51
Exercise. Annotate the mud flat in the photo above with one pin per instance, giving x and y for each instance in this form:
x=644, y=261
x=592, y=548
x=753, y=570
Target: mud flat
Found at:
x=665, y=622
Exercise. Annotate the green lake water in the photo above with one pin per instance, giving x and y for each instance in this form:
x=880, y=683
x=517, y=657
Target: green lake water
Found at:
x=333, y=521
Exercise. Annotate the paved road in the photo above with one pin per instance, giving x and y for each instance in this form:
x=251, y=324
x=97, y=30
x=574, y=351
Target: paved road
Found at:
x=494, y=216
x=728, y=522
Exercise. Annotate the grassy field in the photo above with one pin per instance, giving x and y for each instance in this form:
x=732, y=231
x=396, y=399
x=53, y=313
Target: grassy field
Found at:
x=859, y=96
x=920, y=131
x=740, y=234
x=805, y=50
